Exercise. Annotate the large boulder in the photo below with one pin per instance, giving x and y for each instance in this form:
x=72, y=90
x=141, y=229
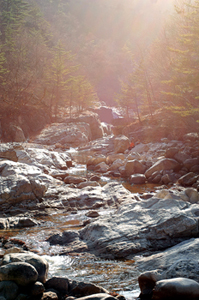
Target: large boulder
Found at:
x=176, y=288
x=163, y=164
x=121, y=144
x=134, y=167
x=138, y=227
x=67, y=134
x=188, y=179
x=94, y=123
x=19, y=182
x=39, y=263
x=43, y=158
x=180, y=260
x=21, y=273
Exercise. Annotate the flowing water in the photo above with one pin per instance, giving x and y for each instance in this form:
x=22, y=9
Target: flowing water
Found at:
x=115, y=276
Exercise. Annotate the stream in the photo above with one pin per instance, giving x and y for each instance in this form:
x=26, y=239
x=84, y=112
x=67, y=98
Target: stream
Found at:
x=116, y=276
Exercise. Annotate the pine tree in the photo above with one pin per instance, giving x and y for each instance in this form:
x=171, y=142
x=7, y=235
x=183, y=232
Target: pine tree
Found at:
x=58, y=76
x=183, y=85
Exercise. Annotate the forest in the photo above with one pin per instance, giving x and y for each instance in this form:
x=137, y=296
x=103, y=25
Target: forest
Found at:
x=138, y=55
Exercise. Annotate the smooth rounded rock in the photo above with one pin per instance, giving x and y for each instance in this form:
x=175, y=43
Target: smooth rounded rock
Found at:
x=40, y=264
x=176, y=288
x=20, y=272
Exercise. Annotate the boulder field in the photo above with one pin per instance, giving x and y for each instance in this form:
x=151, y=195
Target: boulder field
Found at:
x=158, y=228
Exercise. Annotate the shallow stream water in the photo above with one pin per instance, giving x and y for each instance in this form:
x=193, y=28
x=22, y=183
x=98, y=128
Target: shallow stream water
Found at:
x=115, y=276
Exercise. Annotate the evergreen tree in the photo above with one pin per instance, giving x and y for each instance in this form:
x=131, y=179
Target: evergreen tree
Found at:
x=58, y=76
x=182, y=86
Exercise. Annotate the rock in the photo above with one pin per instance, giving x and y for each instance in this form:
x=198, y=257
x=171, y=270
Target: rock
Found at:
x=58, y=283
x=94, y=123
x=171, y=152
x=63, y=238
x=180, y=260
x=155, y=177
x=192, y=194
x=49, y=296
x=137, y=179
x=116, y=165
x=82, y=185
x=176, y=288
x=19, y=182
x=95, y=178
x=15, y=133
x=191, y=162
x=17, y=189
x=108, y=195
x=96, y=160
x=195, y=169
x=8, y=290
x=188, y=180
x=41, y=157
x=147, y=282
x=105, y=114
x=39, y=263
x=134, y=167
x=8, y=151
x=166, y=179
x=15, y=222
x=102, y=167
x=92, y=214
x=181, y=157
x=112, y=157
x=82, y=289
x=163, y=164
x=20, y=272
x=36, y=289
x=74, y=179
x=71, y=134
x=121, y=144
x=155, y=224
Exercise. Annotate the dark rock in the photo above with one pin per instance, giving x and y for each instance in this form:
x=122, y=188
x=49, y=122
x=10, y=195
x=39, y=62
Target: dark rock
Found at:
x=39, y=263
x=36, y=289
x=176, y=288
x=8, y=290
x=137, y=179
x=81, y=289
x=20, y=272
x=58, y=283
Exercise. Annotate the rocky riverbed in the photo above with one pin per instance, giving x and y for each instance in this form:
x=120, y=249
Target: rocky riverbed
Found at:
x=155, y=230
